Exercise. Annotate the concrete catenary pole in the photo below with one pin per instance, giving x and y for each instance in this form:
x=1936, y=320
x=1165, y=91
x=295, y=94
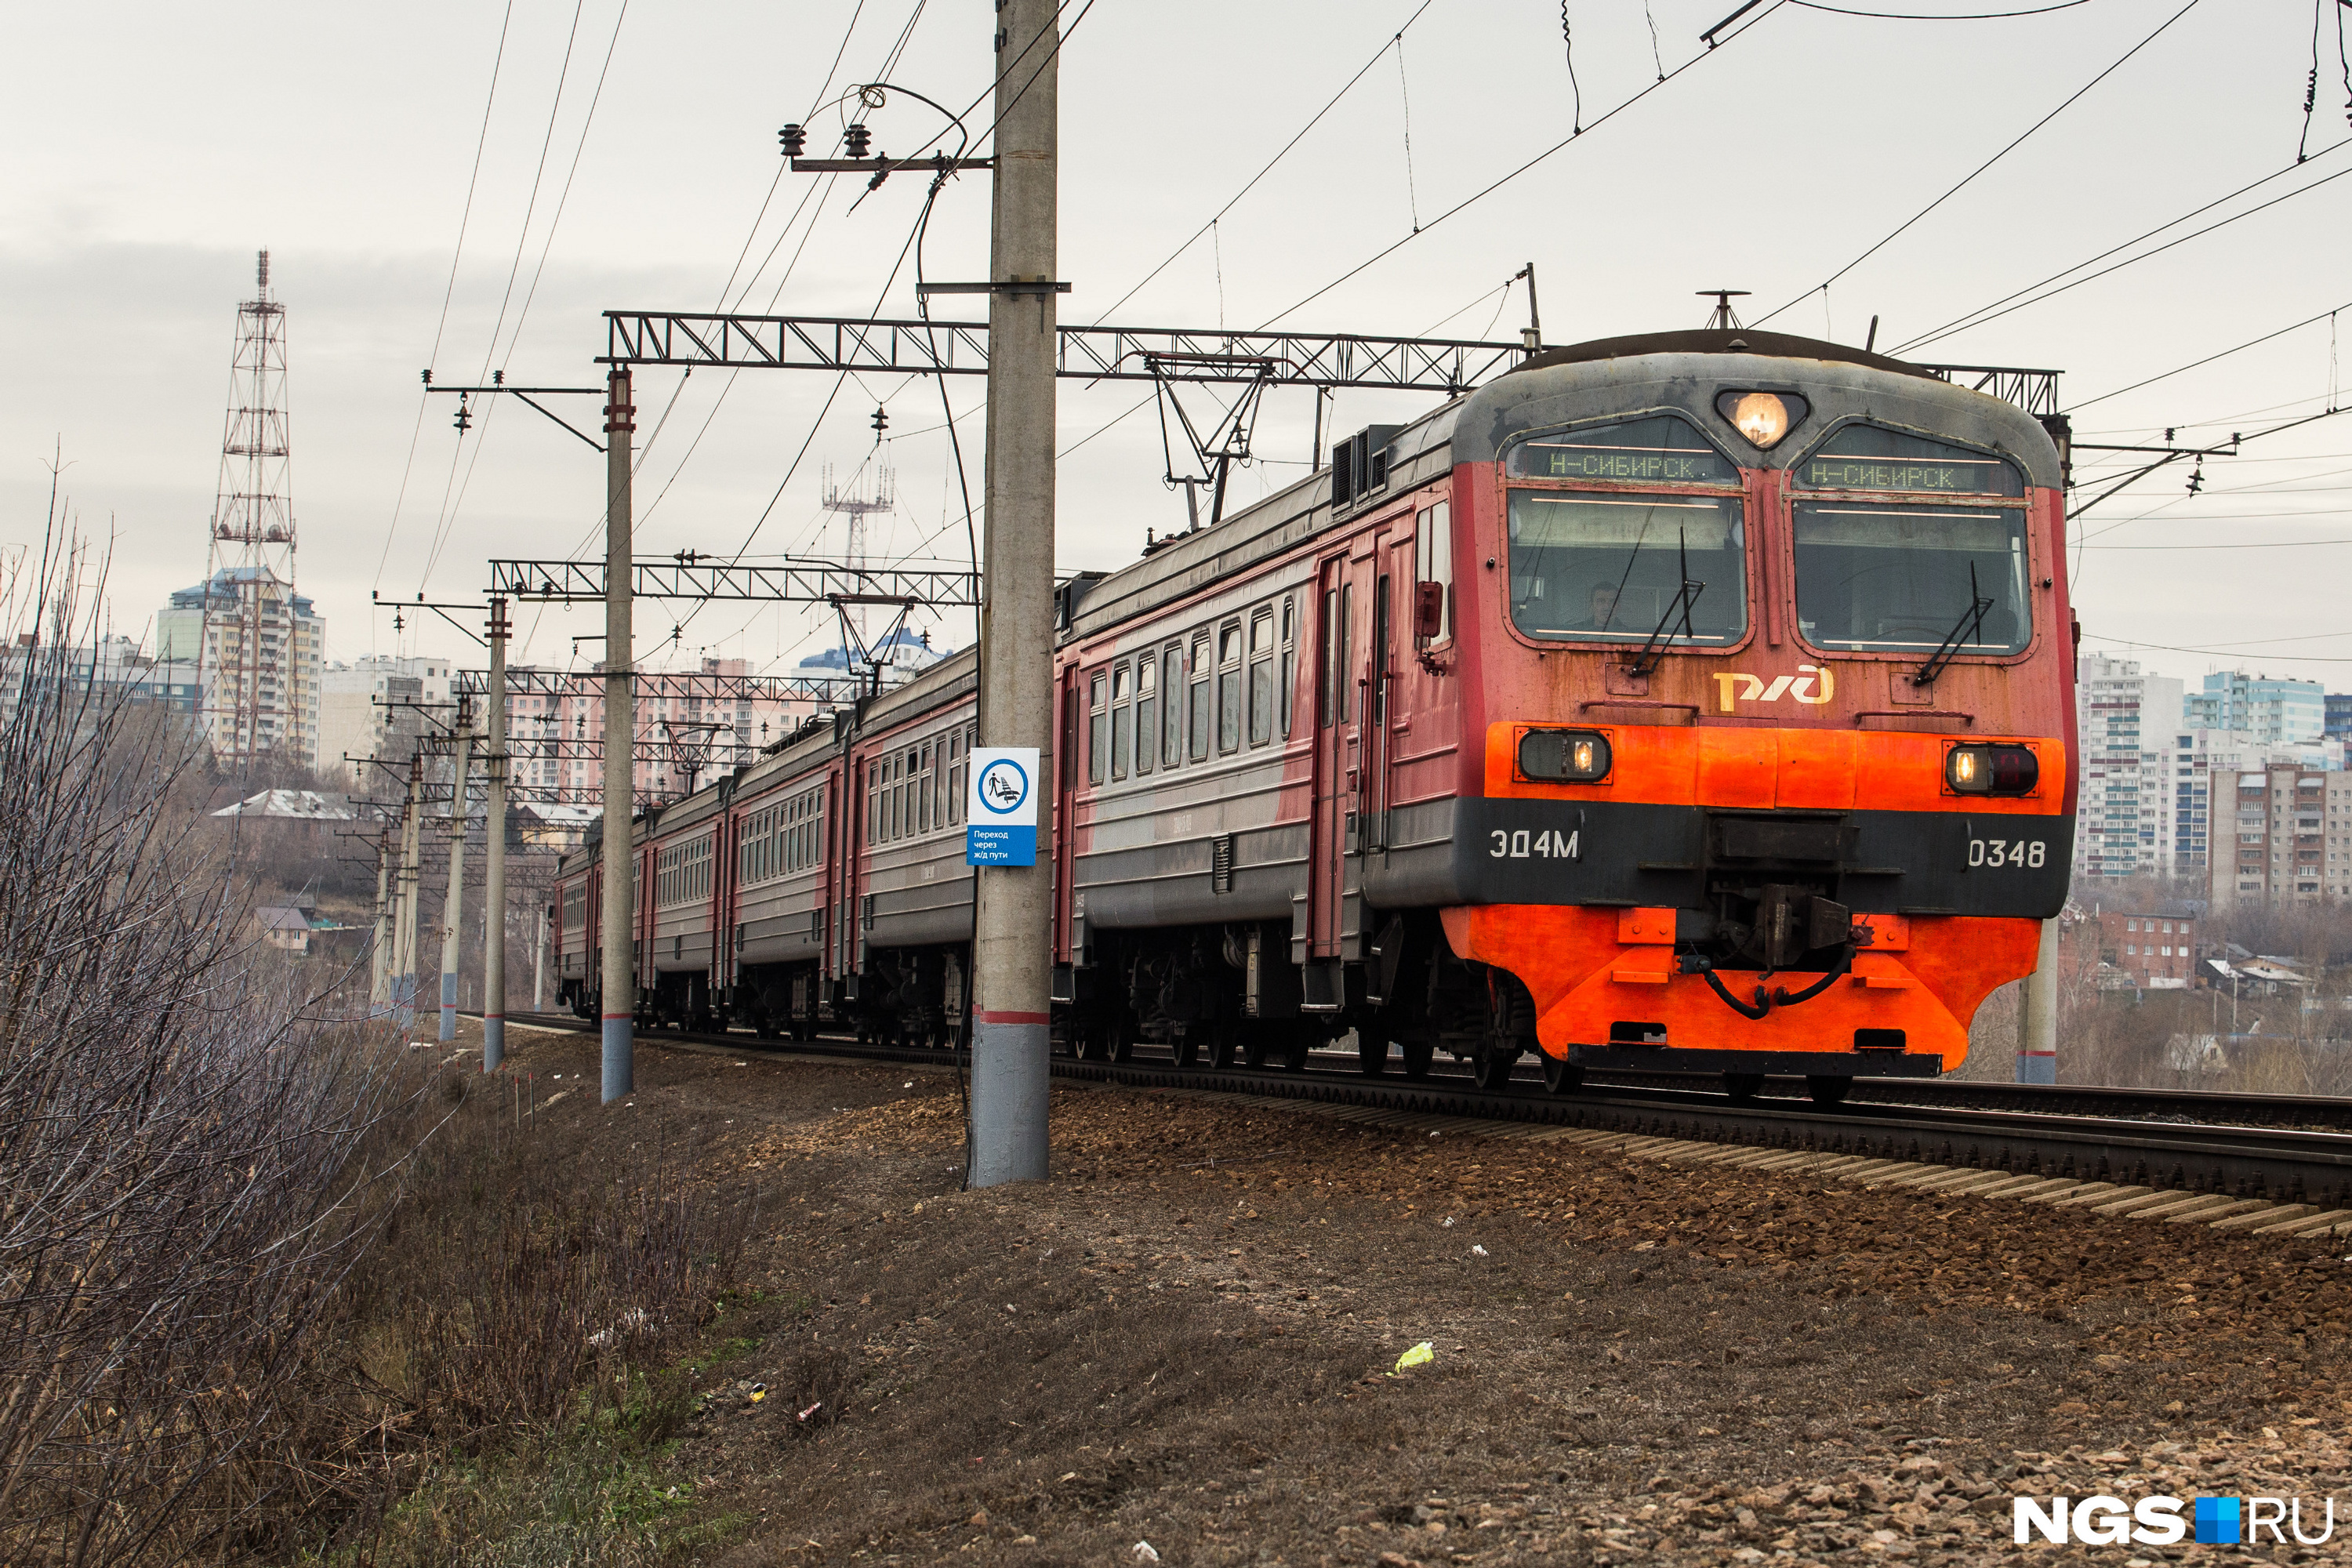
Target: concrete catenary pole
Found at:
x=620, y=987
x=2037, y=1048
x=453, y=904
x=403, y=951
x=494, y=852
x=1011, y=953
x=539, y=966
x=379, y=958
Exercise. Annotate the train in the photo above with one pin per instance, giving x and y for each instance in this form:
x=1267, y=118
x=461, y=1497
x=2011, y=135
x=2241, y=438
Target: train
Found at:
x=1694, y=701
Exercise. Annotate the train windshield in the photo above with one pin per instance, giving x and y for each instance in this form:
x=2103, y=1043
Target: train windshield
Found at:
x=1915, y=575
x=1622, y=567
x=1898, y=579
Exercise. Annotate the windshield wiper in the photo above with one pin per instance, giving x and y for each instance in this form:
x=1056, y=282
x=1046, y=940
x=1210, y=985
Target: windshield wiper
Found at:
x=1684, y=598
x=1972, y=620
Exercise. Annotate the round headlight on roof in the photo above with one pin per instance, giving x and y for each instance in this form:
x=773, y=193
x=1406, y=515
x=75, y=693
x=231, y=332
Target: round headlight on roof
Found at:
x=1763, y=417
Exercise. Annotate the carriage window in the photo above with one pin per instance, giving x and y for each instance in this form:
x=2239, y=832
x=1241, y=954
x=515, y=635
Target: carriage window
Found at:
x=1341, y=671
x=1432, y=557
x=1097, y=729
x=1289, y=675
x=1905, y=579
x=1331, y=660
x=1619, y=567
x=955, y=778
x=1200, y=696
x=1147, y=712
x=1229, y=688
x=1171, y=682
x=1261, y=677
x=1122, y=721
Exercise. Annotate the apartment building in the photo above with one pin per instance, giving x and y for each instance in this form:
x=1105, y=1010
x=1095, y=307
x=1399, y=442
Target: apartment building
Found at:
x=2275, y=712
x=2125, y=719
x=2289, y=836
x=261, y=650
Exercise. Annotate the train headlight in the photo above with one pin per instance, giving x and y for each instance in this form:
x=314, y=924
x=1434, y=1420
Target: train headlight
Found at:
x=1992, y=770
x=1763, y=417
x=1564, y=756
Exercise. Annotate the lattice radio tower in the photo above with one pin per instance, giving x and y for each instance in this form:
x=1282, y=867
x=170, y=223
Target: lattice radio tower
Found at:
x=250, y=706
x=855, y=505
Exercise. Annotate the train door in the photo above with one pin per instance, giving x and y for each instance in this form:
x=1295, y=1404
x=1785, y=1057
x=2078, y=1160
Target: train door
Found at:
x=1334, y=755
x=1392, y=591
x=858, y=814
x=1067, y=910
x=591, y=935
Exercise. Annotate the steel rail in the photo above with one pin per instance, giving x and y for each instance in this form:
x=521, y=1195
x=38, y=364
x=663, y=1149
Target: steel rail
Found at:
x=2283, y=1164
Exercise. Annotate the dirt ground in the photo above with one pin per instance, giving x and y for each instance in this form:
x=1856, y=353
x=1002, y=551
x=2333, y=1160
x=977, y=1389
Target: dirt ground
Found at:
x=1186, y=1340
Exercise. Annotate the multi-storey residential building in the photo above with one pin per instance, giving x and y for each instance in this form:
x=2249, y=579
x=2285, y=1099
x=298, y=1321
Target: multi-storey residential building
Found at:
x=2157, y=950
x=260, y=649
x=367, y=707
x=2276, y=712
x=690, y=727
x=2289, y=835
x=2124, y=720
x=112, y=667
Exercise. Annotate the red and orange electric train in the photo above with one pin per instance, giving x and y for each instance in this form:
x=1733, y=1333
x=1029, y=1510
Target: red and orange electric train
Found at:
x=1698, y=701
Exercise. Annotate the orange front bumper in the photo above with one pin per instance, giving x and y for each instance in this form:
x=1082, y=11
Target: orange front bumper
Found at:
x=1589, y=969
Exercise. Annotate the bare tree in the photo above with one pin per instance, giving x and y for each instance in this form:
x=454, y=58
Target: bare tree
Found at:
x=182, y=1140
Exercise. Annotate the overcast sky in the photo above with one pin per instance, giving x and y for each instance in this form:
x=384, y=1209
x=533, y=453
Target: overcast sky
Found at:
x=155, y=147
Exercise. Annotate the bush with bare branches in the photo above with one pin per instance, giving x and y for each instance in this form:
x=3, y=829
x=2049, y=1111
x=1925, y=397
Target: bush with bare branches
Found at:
x=182, y=1141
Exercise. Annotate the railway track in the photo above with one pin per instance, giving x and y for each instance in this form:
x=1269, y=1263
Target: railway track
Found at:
x=2132, y=1139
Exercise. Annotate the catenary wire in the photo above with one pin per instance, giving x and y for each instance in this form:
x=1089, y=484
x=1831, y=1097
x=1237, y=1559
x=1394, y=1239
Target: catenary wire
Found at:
x=452, y=492
x=464, y=217
x=1467, y=202
x=2019, y=300
x=1267, y=168
x=1937, y=16
x=2071, y=99
x=2209, y=359
x=538, y=270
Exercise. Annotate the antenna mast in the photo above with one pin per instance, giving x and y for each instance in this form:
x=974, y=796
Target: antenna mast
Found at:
x=260, y=700
x=857, y=505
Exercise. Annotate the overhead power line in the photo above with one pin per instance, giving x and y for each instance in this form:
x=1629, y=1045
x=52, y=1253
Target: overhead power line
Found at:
x=464, y=216
x=2019, y=300
x=1965, y=180
x=2209, y=359
x=1470, y=201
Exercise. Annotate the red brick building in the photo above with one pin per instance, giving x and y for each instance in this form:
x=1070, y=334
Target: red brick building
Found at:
x=2156, y=950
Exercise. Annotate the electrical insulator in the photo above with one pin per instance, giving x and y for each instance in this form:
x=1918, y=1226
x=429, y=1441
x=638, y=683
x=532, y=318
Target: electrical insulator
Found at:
x=465, y=418
x=881, y=422
x=860, y=140
x=795, y=138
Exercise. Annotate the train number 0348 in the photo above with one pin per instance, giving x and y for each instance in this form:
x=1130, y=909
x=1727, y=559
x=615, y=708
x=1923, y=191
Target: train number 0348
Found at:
x=2028, y=853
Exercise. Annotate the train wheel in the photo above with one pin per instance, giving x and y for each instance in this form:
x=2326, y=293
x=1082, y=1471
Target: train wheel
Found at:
x=1220, y=1048
x=1186, y=1047
x=1828, y=1090
x=1418, y=1055
x=1293, y=1052
x=1371, y=1052
x=1119, y=1047
x=1743, y=1087
x=1562, y=1077
x=1492, y=1070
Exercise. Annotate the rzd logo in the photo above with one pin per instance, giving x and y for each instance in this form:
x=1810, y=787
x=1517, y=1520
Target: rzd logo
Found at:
x=1736, y=688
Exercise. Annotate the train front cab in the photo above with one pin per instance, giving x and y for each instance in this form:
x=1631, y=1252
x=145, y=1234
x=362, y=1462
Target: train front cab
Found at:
x=1773, y=668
